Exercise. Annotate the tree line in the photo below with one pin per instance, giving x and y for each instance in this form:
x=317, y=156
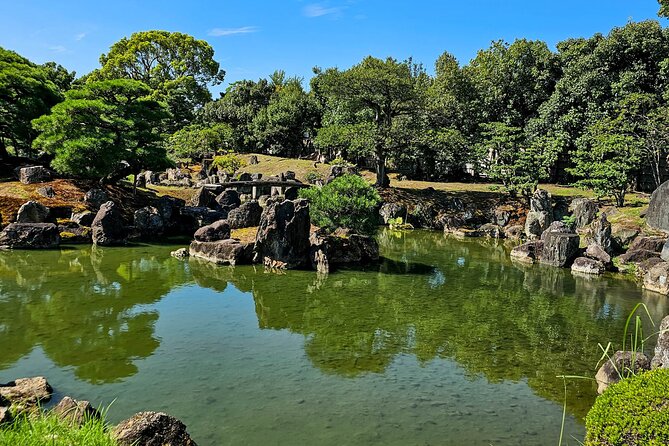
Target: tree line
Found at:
x=594, y=112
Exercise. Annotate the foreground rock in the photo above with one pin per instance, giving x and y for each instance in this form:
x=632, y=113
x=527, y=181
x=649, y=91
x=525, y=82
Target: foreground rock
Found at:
x=245, y=216
x=214, y=232
x=601, y=233
x=529, y=252
x=655, y=244
x=661, y=358
x=33, y=212
x=282, y=240
x=585, y=265
x=26, y=392
x=330, y=251
x=657, y=278
x=74, y=412
x=5, y=415
x=152, y=429
x=34, y=174
x=536, y=223
x=108, y=226
x=658, y=209
x=30, y=236
x=222, y=252
x=596, y=252
x=583, y=211
x=559, y=249
x=625, y=363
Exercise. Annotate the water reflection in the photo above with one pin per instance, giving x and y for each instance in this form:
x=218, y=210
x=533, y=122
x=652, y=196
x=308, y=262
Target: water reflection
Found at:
x=83, y=307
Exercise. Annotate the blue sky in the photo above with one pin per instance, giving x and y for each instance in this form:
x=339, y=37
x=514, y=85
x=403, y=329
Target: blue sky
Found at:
x=253, y=38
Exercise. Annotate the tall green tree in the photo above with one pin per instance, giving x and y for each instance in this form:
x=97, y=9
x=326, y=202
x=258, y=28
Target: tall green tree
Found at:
x=194, y=142
x=664, y=8
x=27, y=91
x=176, y=66
x=101, y=125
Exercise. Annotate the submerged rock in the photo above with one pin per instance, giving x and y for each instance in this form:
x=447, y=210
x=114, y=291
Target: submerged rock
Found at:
x=625, y=363
x=108, y=226
x=181, y=254
x=529, y=252
x=223, y=252
x=30, y=236
x=282, y=240
x=152, y=429
x=560, y=249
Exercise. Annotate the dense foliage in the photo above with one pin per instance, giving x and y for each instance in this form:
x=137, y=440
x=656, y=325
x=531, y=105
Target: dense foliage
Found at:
x=48, y=428
x=346, y=202
x=631, y=412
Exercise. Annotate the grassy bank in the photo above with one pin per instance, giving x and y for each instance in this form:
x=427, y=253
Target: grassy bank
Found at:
x=49, y=429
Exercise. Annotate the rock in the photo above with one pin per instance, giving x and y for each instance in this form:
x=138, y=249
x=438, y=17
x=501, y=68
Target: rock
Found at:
x=33, y=212
x=47, y=192
x=263, y=200
x=501, y=216
x=536, y=223
x=585, y=265
x=557, y=227
x=150, y=177
x=253, y=160
x=559, y=249
x=75, y=412
x=289, y=175
x=624, y=363
x=256, y=176
x=529, y=252
x=330, y=251
x=601, y=233
x=149, y=222
x=204, y=198
x=491, y=230
x=84, y=218
x=222, y=252
x=541, y=202
x=648, y=243
x=661, y=358
x=644, y=267
x=34, y=174
x=658, y=209
x=229, y=199
x=665, y=252
x=30, y=236
x=219, y=230
x=26, y=392
x=623, y=235
x=244, y=176
x=152, y=429
x=75, y=234
x=584, y=211
x=96, y=198
x=596, y=252
x=514, y=232
x=181, y=254
x=657, y=278
x=5, y=415
x=291, y=193
x=245, y=216
x=637, y=256
x=108, y=226
x=198, y=216
x=170, y=209
x=424, y=215
x=175, y=174
x=283, y=235
x=390, y=211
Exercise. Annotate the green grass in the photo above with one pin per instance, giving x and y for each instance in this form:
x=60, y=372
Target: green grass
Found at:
x=49, y=429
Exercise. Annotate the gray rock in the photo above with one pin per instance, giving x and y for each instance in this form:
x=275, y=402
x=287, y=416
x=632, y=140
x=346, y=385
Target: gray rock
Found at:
x=391, y=211
x=559, y=249
x=47, y=192
x=624, y=235
x=601, y=233
x=330, y=251
x=621, y=363
x=491, y=230
x=541, y=202
x=26, y=392
x=584, y=211
x=661, y=358
x=245, y=216
x=282, y=240
x=657, y=278
x=514, y=232
x=33, y=212
x=222, y=252
x=204, y=198
x=73, y=234
x=219, y=230
x=586, y=265
x=84, y=218
x=253, y=160
x=642, y=268
x=637, y=256
x=34, y=174
x=74, y=412
x=557, y=227
x=529, y=252
x=655, y=244
x=536, y=223
x=30, y=236
x=152, y=429
x=149, y=222
x=665, y=252
x=95, y=198
x=5, y=415
x=658, y=209
x=501, y=216
x=229, y=199
x=181, y=254
x=108, y=226
x=596, y=252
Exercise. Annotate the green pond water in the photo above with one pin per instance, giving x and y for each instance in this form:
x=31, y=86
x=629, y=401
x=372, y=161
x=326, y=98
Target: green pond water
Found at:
x=445, y=343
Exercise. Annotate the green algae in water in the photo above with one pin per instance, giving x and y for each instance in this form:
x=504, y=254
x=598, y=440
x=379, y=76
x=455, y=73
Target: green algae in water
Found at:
x=446, y=342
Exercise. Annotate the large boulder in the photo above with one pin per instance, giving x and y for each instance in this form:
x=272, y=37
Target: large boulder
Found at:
x=623, y=235
x=84, y=218
x=661, y=358
x=584, y=211
x=536, y=223
x=529, y=252
x=152, y=429
x=30, y=236
x=541, y=202
x=33, y=212
x=229, y=199
x=245, y=216
x=222, y=252
x=95, y=198
x=331, y=251
x=596, y=252
x=26, y=392
x=585, y=265
x=74, y=412
x=34, y=174
x=637, y=256
x=557, y=227
x=204, y=198
x=658, y=209
x=657, y=278
x=601, y=233
x=625, y=363
x=219, y=230
x=282, y=240
x=655, y=244
x=559, y=249
x=170, y=210
x=149, y=222
x=390, y=211
x=108, y=226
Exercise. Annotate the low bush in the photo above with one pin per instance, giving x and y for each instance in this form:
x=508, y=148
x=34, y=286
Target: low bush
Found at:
x=633, y=412
x=229, y=163
x=346, y=202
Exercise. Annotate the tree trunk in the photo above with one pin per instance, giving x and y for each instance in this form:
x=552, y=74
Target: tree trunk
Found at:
x=4, y=155
x=380, y=168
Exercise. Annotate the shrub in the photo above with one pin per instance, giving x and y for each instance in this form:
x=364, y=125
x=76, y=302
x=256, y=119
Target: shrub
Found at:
x=347, y=202
x=634, y=411
x=314, y=177
x=229, y=163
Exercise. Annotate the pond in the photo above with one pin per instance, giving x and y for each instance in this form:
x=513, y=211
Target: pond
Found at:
x=446, y=342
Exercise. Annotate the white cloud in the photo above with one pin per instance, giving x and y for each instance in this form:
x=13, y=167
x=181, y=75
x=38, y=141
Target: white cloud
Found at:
x=319, y=10
x=80, y=36
x=58, y=49
x=219, y=32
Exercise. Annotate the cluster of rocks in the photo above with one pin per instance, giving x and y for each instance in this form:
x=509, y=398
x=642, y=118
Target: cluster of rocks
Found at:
x=24, y=395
